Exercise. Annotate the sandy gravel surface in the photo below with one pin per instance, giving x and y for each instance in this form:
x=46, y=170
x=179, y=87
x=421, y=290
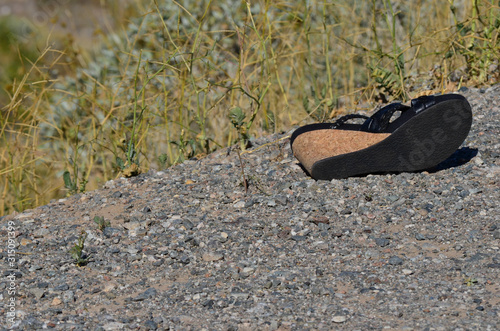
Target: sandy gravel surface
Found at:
x=188, y=249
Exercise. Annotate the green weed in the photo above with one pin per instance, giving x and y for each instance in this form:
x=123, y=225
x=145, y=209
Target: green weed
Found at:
x=238, y=120
x=469, y=281
x=72, y=184
x=76, y=252
x=101, y=222
x=477, y=41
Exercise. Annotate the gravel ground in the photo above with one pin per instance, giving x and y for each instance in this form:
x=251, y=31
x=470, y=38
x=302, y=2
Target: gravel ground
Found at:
x=188, y=249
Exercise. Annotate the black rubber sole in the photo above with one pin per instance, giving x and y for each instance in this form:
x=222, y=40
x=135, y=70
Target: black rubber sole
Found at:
x=422, y=142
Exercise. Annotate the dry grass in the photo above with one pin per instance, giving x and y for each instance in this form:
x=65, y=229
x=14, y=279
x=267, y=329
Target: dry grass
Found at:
x=185, y=78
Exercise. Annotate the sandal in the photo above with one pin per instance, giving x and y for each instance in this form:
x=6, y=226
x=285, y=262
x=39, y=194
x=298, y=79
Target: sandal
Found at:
x=425, y=134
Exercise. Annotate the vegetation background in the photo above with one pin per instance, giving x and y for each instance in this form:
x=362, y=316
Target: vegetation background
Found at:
x=92, y=90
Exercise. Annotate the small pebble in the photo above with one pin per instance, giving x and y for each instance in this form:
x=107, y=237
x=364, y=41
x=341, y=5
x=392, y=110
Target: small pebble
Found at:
x=395, y=260
x=407, y=272
x=211, y=257
x=56, y=301
x=339, y=319
x=382, y=242
x=419, y=236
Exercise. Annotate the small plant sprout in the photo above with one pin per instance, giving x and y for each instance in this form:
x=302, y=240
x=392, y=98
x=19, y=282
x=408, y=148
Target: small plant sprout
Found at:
x=77, y=251
x=162, y=160
x=238, y=120
x=72, y=184
x=101, y=222
x=469, y=281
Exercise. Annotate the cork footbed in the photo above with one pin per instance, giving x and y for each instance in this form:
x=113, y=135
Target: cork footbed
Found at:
x=310, y=147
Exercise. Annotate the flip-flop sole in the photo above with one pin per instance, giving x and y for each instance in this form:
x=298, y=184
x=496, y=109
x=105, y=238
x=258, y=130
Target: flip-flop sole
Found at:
x=423, y=142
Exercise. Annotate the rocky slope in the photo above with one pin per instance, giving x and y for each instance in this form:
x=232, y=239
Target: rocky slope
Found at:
x=188, y=248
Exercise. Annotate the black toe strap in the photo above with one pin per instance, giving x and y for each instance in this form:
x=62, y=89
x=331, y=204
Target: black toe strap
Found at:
x=341, y=121
x=422, y=103
x=379, y=121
